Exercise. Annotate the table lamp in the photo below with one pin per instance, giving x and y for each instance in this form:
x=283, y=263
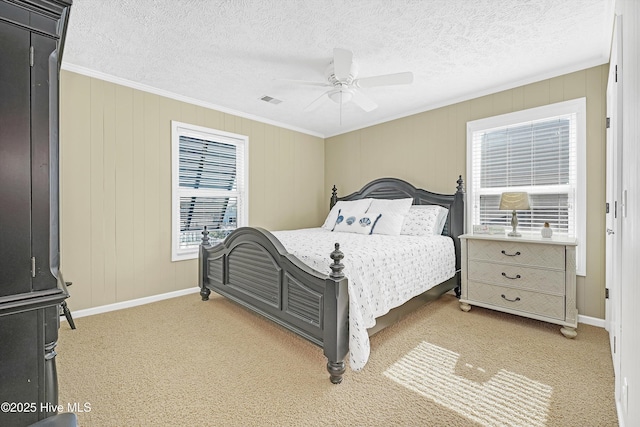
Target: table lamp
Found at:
x=513, y=202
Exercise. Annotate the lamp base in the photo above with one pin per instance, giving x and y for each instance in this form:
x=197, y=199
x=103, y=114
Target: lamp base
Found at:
x=514, y=225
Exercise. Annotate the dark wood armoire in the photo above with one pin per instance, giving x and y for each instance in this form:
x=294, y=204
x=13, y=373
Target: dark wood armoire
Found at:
x=32, y=36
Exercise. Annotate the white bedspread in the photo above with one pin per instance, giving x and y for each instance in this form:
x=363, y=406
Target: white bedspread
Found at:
x=383, y=271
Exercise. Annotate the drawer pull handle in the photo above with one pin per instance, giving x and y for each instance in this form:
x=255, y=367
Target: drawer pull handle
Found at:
x=510, y=300
x=516, y=254
x=509, y=277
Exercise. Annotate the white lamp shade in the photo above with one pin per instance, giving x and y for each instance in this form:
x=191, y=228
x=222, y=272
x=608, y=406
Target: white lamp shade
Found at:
x=514, y=201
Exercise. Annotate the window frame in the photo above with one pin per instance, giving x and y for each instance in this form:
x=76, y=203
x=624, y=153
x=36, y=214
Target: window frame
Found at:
x=179, y=129
x=575, y=106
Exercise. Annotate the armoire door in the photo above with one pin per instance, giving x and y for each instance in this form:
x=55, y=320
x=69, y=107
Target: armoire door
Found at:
x=22, y=358
x=42, y=46
x=15, y=161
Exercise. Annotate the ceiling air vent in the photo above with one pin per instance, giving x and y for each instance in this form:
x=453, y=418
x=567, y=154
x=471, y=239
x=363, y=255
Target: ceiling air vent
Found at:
x=270, y=99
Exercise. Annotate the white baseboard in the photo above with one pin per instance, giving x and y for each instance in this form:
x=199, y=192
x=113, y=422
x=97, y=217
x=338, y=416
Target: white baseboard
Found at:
x=593, y=321
x=131, y=303
x=620, y=417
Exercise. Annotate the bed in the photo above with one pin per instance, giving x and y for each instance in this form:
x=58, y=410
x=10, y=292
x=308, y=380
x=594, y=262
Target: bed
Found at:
x=295, y=279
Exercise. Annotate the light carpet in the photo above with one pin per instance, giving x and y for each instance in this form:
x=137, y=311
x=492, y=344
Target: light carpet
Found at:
x=185, y=362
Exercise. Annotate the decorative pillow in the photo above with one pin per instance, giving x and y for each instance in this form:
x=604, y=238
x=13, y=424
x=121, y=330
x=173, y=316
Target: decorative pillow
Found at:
x=356, y=206
x=424, y=220
x=393, y=213
x=361, y=223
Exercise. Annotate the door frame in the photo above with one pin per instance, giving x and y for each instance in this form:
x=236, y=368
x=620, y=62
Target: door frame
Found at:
x=613, y=230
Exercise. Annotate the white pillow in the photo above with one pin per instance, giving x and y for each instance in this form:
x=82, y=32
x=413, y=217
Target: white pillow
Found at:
x=424, y=220
x=361, y=223
x=442, y=220
x=393, y=213
x=355, y=206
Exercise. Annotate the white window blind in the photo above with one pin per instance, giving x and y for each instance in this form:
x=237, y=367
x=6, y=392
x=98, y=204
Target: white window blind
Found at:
x=209, y=186
x=538, y=151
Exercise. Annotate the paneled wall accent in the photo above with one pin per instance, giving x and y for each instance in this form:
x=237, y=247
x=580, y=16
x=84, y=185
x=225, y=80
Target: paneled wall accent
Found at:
x=116, y=187
x=429, y=150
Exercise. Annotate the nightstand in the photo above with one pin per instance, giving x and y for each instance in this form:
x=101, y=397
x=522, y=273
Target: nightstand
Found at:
x=530, y=276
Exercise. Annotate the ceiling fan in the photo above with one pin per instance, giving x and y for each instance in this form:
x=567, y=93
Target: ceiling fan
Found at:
x=344, y=84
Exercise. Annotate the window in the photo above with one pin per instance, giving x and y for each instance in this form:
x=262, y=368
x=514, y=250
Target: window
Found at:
x=541, y=151
x=209, y=179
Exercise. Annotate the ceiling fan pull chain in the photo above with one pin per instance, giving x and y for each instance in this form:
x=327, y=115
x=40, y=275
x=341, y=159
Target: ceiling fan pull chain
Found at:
x=340, y=108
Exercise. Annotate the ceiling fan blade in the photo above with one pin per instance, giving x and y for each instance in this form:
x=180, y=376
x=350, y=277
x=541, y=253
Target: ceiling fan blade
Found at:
x=363, y=101
x=305, y=82
x=385, y=80
x=316, y=102
x=342, y=60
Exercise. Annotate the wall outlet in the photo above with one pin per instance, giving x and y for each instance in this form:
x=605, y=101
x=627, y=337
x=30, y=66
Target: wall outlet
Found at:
x=625, y=395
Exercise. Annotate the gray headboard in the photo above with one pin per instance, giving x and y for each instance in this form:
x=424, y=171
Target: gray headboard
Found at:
x=394, y=188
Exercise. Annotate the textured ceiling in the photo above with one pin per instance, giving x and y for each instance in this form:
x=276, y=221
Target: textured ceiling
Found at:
x=229, y=53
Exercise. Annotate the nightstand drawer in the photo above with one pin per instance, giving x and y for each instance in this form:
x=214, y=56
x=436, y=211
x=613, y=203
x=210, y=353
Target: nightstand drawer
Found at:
x=530, y=254
x=547, y=305
x=517, y=276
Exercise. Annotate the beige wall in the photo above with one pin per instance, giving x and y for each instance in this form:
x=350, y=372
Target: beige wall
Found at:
x=116, y=187
x=116, y=176
x=429, y=150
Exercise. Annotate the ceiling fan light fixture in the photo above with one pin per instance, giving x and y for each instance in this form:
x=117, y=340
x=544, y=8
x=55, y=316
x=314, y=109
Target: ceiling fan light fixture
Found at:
x=341, y=96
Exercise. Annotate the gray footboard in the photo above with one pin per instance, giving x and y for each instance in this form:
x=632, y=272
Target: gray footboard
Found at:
x=252, y=268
